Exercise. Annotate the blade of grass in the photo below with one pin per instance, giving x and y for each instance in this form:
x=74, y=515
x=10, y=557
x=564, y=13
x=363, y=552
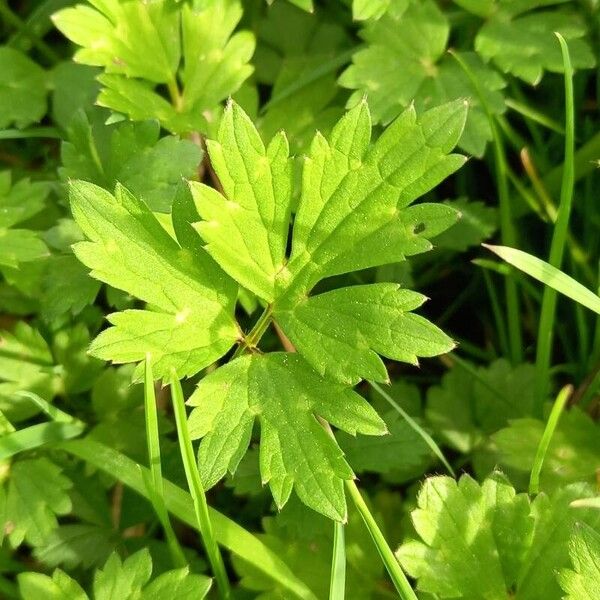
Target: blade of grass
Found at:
x=559, y=238
x=155, y=481
x=337, y=584
x=179, y=502
x=197, y=491
x=36, y=436
x=507, y=228
x=32, y=132
x=540, y=455
x=535, y=115
x=392, y=565
x=414, y=425
x=60, y=416
x=549, y=275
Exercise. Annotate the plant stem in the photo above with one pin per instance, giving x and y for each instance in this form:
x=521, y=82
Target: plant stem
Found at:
x=414, y=425
x=538, y=461
x=196, y=489
x=155, y=482
x=392, y=565
x=251, y=340
x=559, y=237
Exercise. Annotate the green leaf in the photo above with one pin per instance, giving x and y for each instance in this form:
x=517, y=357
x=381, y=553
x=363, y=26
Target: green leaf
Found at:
x=22, y=89
x=228, y=533
x=474, y=538
x=33, y=586
x=526, y=47
x=400, y=456
x=191, y=324
x=134, y=155
x=405, y=61
x=353, y=214
x=572, y=455
x=583, y=582
x=75, y=88
x=18, y=203
x=465, y=407
x=25, y=365
x=341, y=333
x=123, y=579
x=67, y=288
x=477, y=223
x=246, y=230
x=141, y=45
x=77, y=545
x=372, y=9
x=549, y=550
x=305, y=541
x=296, y=452
x=36, y=495
x=21, y=200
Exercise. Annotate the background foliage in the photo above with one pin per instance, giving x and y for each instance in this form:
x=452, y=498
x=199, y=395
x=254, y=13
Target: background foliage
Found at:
x=330, y=149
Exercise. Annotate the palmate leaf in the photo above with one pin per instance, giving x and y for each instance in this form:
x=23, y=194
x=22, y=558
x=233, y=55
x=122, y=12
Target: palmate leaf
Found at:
x=486, y=541
x=522, y=42
x=22, y=89
x=584, y=582
x=286, y=396
x=145, y=44
x=134, y=154
x=191, y=322
x=36, y=493
x=405, y=60
x=19, y=202
x=353, y=214
x=127, y=579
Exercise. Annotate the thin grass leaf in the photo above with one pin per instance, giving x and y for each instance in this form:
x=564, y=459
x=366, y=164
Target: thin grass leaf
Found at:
x=507, y=228
x=227, y=533
x=549, y=275
x=197, y=491
x=538, y=462
x=392, y=565
x=37, y=436
x=559, y=238
x=155, y=481
x=426, y=437
x=337, y=586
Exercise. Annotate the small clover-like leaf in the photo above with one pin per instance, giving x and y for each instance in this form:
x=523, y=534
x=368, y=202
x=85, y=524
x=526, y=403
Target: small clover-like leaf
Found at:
x=296, y=452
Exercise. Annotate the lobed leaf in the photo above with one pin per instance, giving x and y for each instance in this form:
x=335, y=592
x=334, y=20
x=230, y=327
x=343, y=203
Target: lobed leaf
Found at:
x=191, y=323
x=295, y=451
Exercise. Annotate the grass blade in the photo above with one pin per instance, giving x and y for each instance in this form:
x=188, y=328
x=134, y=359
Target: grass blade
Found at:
x=155, y=481
x=337, y=585
x=559, y=238
x=36, y=436
x=507, y=227
x=392, y=565
x=197, y=491
x=426, y=437
x=549, y=275
x=179, y=502
x=538, y=462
